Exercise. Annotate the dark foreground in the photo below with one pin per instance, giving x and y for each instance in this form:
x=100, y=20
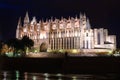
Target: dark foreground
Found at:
x=73, y=65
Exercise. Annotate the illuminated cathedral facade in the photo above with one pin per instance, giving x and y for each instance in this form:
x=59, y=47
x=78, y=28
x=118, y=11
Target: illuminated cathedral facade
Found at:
x=66, y=34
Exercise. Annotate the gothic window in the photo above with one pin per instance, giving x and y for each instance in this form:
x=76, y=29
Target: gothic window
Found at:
x=69, y=25
x=87, y=44
x=78, y=33
x=41, y=36
x=59, y=34
x=67, y=33
x=46, y=27
x=83, y=44
x=52, y=34
x=86, y=34
x=77, y=24
x=35, y=37
x=75, y=33
x=38, y=28
x=61, y=26
x=25, y=30
x=47, y=35
x=44, y=36
x=70, y=33
x=54, y=26
x=62, y=33
x=52, y=44
x=98, y=37
x=31, y=30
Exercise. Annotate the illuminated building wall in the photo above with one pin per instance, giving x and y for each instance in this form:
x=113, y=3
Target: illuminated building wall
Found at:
x=66, y=34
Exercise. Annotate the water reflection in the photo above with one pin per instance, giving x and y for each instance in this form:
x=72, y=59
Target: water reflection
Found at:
x=16, y=75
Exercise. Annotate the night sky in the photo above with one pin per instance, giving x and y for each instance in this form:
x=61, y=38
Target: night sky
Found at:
x=102, y=13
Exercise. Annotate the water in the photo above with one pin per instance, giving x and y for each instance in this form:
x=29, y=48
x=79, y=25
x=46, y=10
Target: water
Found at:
x=17, y=75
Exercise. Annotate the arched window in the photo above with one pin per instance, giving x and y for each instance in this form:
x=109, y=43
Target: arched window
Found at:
x=69, y=25
x=61, y=26
x=77, y=24
x=54, y=26
x=25, y=29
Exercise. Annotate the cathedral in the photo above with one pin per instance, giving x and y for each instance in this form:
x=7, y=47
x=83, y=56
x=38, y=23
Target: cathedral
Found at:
x=66, y=34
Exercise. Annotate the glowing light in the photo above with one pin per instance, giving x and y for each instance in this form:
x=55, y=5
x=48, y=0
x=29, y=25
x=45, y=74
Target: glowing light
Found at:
x=41, y=36
x=46, y=78
x=67, y=34
x=110, y=52
x=61, y=26
x=74, y=78
x=35, y=51
x=25, y=76
x=59, y=35
x=59, y=75
x=46, y=75
x=25, y=30
x=54, y=26
x=17, y=74
x=74, y=51
x=5, y=74
x=61, y=50
x=34, y=78
x=59, y=78
x=76, y=33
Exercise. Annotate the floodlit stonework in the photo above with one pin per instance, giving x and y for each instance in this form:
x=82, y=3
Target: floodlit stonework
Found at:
x=66, y=34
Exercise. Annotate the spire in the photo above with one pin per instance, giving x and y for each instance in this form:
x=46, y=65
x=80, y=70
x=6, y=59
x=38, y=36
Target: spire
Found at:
x=88, y=26
x=76, y=17
x=19, y=23
x=62, y=18
x=34, y=21
x=51, y=19
x=84, y=15
x=26, y=19
x=81, y=15
x=18, y=28
x=69, y=18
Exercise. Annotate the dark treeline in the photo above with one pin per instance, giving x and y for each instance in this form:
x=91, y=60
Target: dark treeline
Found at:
x=16, y=46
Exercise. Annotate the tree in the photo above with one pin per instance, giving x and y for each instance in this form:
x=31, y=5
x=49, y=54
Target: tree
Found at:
x=43, y=47
x=16, y=45
x=1, y=44
x=4, y=49
x=27, y=43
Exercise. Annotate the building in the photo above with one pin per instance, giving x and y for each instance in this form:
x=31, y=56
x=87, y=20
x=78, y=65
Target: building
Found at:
x=66, y=34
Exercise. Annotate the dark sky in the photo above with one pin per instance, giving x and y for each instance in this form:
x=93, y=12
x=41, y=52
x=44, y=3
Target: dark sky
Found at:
x=102, y=13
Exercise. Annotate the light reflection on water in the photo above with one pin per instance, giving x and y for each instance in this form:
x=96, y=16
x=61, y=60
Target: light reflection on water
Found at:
x=16, y=75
